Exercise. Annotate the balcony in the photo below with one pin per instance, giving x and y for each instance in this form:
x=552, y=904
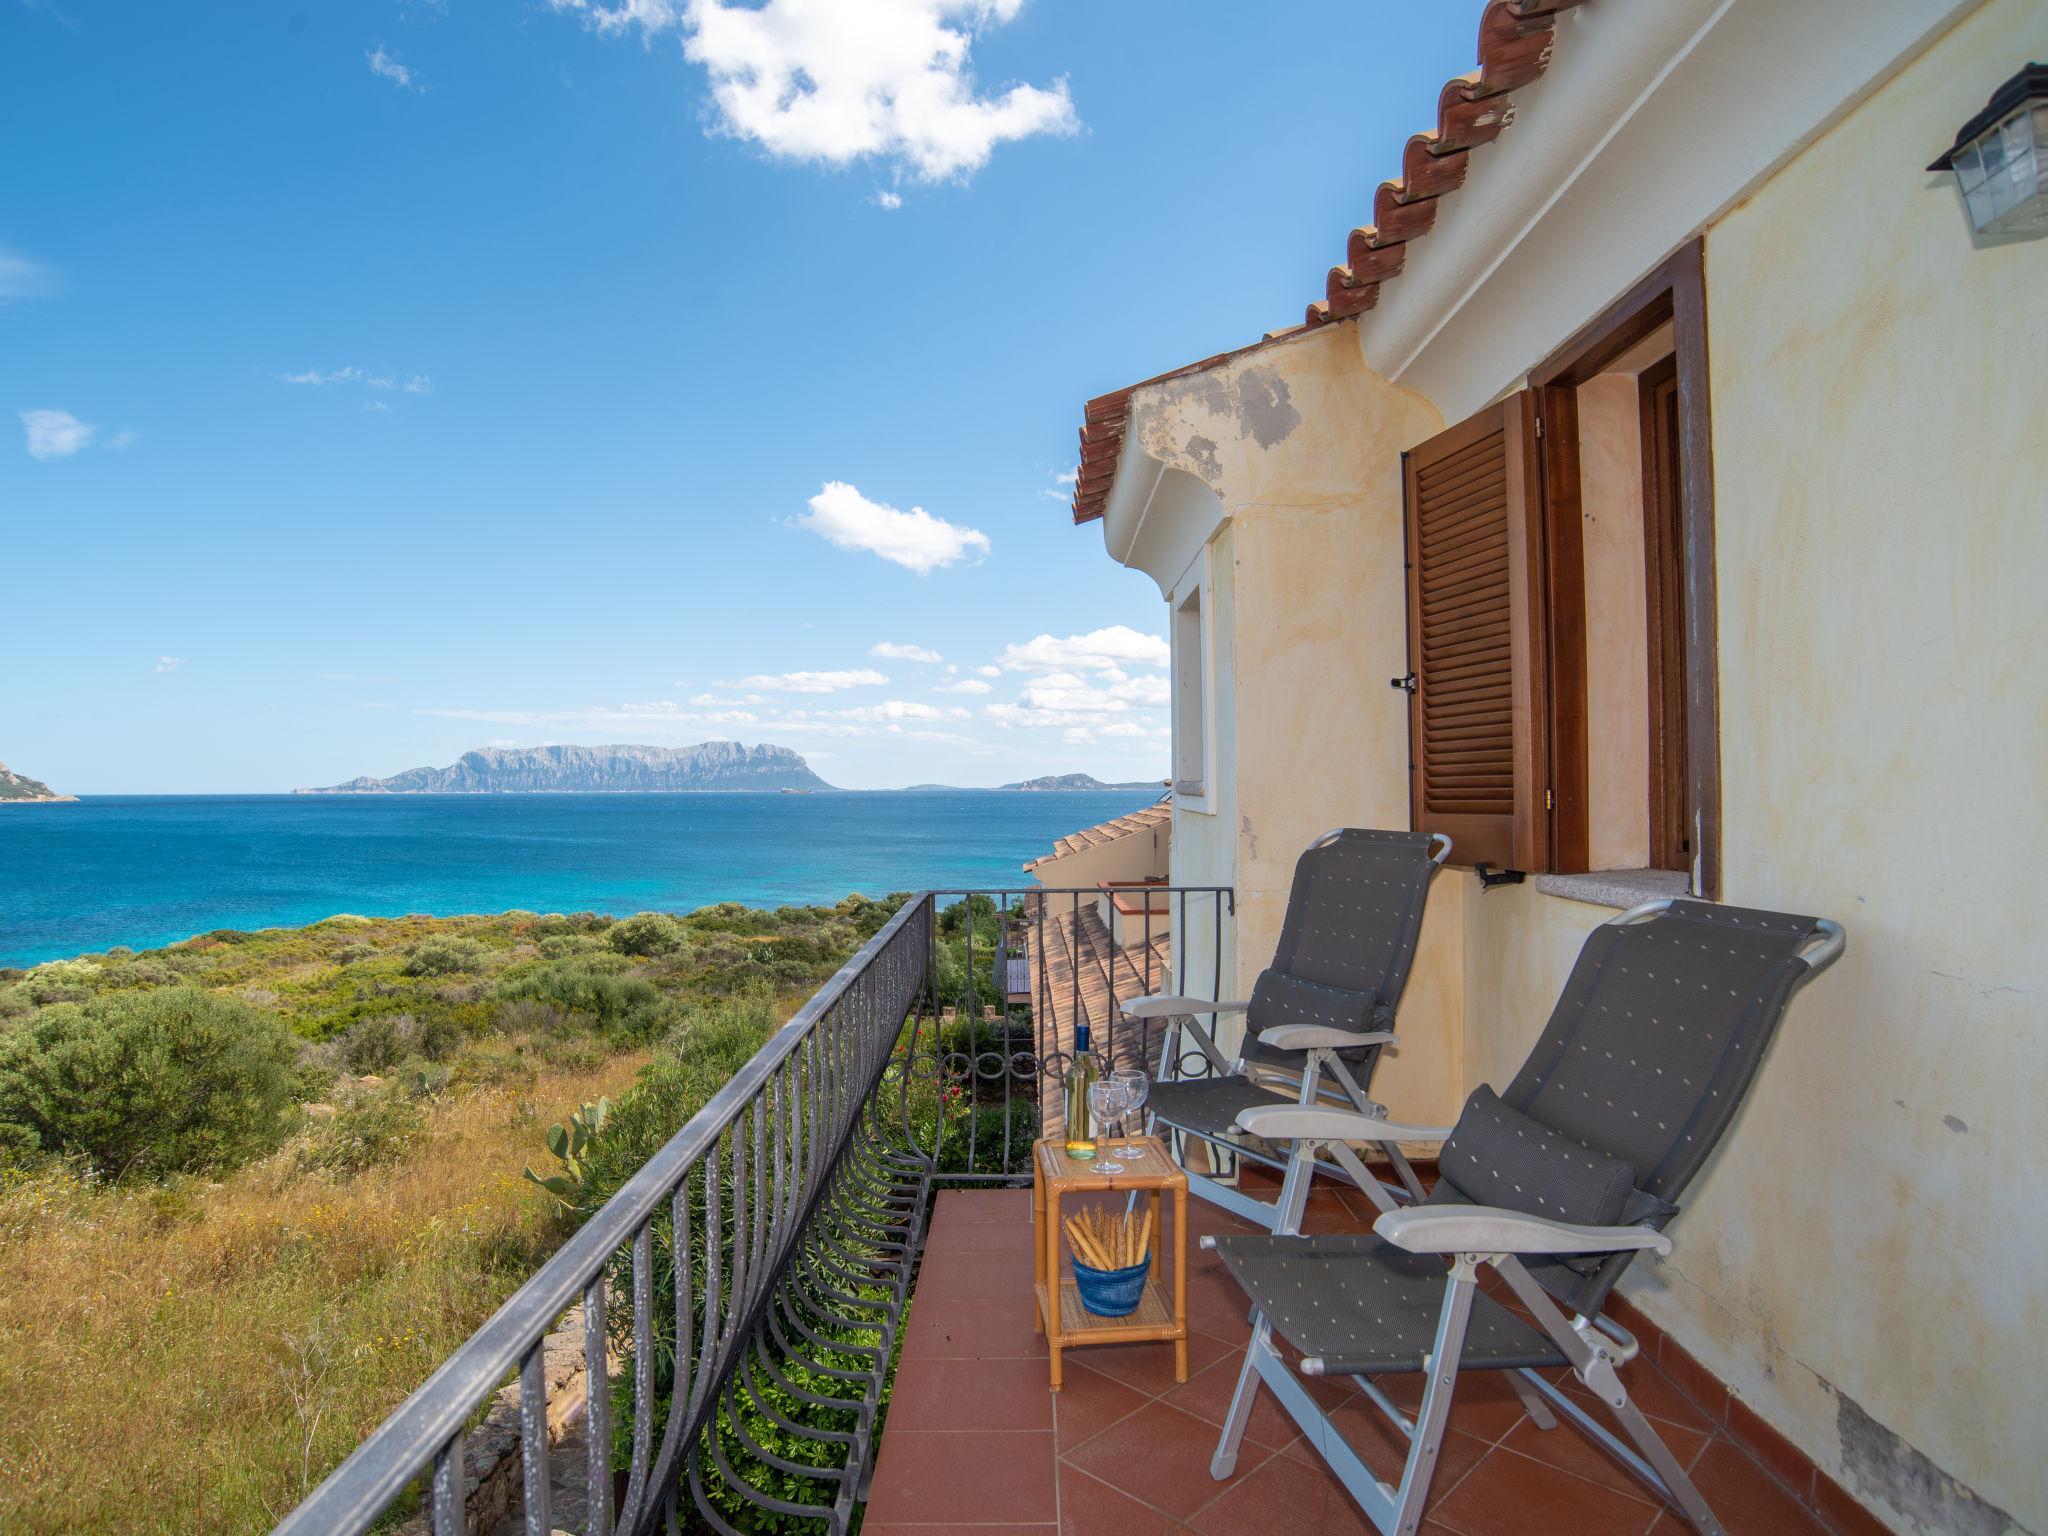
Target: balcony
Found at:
x=813, y=1311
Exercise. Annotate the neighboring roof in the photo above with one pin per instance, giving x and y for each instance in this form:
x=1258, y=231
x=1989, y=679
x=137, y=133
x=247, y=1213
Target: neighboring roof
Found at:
x=1108, y=832
x=1515, y=38
x=1082, y=976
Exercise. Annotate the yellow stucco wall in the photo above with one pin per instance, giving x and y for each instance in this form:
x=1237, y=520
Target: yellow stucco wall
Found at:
x=1866, y=1262
x=1295, y=441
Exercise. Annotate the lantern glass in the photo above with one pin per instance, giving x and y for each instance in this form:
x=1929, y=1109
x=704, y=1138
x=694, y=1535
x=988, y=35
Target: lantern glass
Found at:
x=2003, y=172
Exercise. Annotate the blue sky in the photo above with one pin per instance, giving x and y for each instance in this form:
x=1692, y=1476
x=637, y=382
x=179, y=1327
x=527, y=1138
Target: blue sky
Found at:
x=383, y=379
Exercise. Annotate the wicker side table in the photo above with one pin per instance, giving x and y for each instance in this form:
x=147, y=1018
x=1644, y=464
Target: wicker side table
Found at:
x=1065, y=1323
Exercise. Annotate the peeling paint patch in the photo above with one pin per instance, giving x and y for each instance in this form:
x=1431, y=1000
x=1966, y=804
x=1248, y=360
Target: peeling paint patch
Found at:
x=1203, y=451
x=1955, y=1123
x=1265, y=406
x=1883, y=1466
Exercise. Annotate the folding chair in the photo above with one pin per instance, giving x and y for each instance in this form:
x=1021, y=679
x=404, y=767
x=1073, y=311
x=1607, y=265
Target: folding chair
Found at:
x=1326, y=1005
x=1557, y=1185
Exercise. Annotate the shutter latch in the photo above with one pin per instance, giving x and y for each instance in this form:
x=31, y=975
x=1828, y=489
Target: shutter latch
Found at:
x=1405, y=683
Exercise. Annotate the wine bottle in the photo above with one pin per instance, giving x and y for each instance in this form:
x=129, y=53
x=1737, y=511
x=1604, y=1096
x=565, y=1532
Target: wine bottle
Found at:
x=1081, y=1071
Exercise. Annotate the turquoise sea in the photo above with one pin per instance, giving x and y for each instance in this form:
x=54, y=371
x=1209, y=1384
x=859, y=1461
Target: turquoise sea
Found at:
x=147, y=870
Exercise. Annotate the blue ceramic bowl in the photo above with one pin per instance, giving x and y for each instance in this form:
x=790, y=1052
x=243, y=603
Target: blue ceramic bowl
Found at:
x=1111, y=1292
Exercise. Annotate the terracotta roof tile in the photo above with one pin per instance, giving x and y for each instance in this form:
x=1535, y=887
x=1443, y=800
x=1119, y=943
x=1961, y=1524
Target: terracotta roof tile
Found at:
x=1080, y=975
x=1108, y=832
x=1515, y=38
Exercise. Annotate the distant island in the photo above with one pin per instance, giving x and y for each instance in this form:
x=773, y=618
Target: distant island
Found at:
x=20, y=787
x=1050, y=781
x=709, y=765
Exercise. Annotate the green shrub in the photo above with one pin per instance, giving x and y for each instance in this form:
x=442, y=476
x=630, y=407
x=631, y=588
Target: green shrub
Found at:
x=529, y=1016
x=376, y=1044
x=445, y=957
x=560, y=946
x=176, y=1080
x=363, y=1136
x=646, y=933
x=437, y=1038
x=604, y=988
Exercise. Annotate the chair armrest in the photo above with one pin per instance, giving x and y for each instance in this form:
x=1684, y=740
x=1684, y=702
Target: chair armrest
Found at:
x=1294, y=1122
x=1490, y=1229
x=1306, y=1037
x=1163, y=1007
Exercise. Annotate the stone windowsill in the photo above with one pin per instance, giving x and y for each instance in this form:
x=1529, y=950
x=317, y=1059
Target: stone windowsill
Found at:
x=1618, y=888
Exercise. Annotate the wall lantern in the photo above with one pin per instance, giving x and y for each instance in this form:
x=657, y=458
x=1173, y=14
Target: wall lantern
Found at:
x=2000, y=158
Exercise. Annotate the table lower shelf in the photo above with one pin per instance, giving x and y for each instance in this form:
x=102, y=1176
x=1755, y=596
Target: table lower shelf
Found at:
x=1151, y=1319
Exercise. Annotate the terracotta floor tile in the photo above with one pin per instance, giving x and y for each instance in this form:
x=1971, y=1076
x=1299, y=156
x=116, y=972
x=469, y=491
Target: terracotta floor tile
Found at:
x=1217, y=1306
x=991, y=1329
x=958, y=1477
x=948, y=1275
x=1087, y=1403
x=947, y=1527
x=1780, y=1457
x=1283, y=1497
x=1483, y=1405
x=972, y=1394
x=1507, y=1493
x=1385, y=1449
x=1207, y=1396
x=1839, y=1509
x=1650, y=1390
x=1148, y=1367
x=1744, y=1497
x=982, y=1205
x=1159, y=1456
x=1090, y=1507
x=1011, y=1237
x=1568, y=1447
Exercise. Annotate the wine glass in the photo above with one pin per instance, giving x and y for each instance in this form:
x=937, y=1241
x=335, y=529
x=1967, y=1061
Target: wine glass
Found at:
x=1134, y=1085
x=1105, y=1103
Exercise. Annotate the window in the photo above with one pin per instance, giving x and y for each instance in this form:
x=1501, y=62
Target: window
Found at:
x=1190, y=702
x=1561, y=606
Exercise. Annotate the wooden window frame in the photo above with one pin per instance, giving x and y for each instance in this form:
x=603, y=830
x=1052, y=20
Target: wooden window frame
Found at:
x=1674, y=292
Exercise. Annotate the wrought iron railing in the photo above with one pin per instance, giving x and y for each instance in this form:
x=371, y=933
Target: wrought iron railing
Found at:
x=741, y=1295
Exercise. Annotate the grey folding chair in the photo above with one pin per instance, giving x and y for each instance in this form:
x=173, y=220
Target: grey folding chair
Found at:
x=1557, y=1184
x=1316, y=1021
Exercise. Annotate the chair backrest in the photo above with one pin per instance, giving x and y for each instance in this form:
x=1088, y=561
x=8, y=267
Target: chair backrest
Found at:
x=1348, y=940
x=1656, y=1037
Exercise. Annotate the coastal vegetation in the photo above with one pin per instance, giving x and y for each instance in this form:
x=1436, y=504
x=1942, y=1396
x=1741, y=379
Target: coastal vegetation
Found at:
x=255, y=1186
x=20, y=787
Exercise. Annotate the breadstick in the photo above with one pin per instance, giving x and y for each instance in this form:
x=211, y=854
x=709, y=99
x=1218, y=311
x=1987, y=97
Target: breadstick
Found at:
x=1083, y=1244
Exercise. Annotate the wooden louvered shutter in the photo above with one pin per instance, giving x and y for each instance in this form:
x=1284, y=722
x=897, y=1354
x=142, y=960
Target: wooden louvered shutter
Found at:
x=1474, y=637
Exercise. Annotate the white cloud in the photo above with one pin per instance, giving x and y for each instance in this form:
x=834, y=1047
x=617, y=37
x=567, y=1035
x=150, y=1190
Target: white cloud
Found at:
x=1117, y=646
x=900, y=709
x=411, y=384
x=990, y=671
x=1062, y=487
x=963, y=685
x=55, y=434
x=888, y=200
x=375, y=405
x=836, y=81
x=897, y=651
x=386, y=66
x=168, y=663
x=24, y=278
x=811, y=682
x=127, y=437
x=1065, y=693
x=914, y=539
